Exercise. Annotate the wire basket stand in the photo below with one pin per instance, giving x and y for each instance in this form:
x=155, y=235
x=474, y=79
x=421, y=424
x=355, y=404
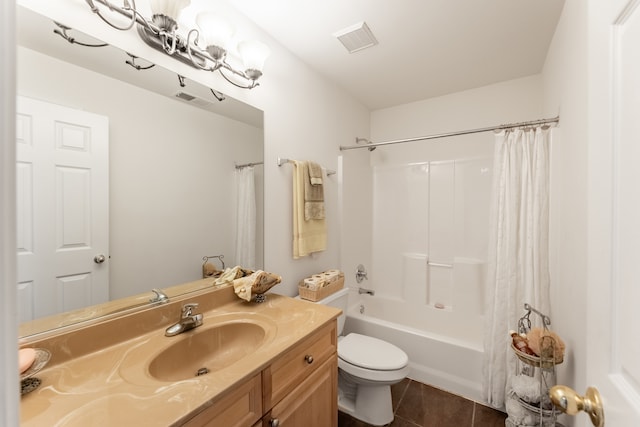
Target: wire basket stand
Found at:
x=543, y=367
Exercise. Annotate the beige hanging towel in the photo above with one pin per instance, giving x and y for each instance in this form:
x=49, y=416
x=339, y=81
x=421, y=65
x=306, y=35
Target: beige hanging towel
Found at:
x=315, y=173
x=308, y=235
x=313, y=193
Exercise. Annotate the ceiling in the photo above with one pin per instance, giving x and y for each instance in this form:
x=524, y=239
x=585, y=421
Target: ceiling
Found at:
x=426, y=48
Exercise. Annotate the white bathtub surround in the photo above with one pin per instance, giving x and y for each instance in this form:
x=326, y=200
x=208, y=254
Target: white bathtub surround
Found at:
x=429, y=228
x=430, y=240
x=246, y=218
x=518, y=269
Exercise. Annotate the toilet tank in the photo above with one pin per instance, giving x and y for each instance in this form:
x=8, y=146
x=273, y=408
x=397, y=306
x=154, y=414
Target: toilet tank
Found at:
x=338, y=300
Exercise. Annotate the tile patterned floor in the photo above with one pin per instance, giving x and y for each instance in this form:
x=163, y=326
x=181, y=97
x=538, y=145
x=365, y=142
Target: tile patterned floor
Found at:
x=419, y=405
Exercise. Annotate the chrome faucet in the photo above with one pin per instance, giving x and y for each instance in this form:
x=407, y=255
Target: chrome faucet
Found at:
x=188, y=320
x=159, y=297
x=366, y=291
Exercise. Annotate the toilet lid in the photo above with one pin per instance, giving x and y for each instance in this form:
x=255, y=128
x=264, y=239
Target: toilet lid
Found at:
x=371, y=353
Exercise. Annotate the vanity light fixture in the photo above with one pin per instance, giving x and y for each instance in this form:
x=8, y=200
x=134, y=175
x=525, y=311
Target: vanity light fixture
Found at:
x=62, y=32
x=205, y=46
x=132, y=62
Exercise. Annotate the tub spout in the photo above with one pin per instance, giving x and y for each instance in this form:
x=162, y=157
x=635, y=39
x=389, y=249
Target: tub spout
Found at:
x=366, y=291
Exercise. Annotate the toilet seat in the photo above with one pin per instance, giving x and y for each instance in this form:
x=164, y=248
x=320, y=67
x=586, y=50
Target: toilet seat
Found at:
x=371, y=353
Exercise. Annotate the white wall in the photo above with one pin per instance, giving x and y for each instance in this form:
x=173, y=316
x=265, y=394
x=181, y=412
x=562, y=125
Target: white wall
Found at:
x=565, y=92
x=172, y=190
x=505, y=102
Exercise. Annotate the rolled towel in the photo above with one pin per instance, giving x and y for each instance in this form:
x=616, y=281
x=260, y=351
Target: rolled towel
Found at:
x=331, y=276
x=527, y=388
x=313, y=283
x=519, y=415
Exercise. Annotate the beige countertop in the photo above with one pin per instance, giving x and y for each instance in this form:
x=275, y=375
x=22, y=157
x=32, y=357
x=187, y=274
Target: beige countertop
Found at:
x=99, y=376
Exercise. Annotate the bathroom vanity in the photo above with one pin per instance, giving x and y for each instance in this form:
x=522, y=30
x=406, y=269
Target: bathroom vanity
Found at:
x=270, y=364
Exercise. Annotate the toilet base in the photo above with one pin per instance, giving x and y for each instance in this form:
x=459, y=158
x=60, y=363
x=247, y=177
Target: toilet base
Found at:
x=372, y=404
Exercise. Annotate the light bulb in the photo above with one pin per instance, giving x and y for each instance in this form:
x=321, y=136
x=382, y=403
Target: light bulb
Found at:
x=170, y=8
x=214, y=30
x=253, y=53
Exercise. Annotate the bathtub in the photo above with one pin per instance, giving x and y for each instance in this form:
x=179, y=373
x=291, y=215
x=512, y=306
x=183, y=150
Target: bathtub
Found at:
x=446, y=360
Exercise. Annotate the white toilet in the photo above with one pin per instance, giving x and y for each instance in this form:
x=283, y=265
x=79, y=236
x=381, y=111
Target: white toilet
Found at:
x=367, y=367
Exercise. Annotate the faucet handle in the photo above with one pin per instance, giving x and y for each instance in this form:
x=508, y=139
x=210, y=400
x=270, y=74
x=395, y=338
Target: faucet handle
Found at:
x=361, y=273
x=187, y=309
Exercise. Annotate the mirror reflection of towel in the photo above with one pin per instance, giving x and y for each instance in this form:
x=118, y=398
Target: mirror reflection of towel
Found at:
x=313, y=193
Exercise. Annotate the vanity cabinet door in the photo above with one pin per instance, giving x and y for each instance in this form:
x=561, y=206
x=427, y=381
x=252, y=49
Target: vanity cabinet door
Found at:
x=314, y=403
x=288, y=371
x=240, y=408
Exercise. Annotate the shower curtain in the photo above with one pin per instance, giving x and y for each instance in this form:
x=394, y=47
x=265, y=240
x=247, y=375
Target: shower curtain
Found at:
x=246, y=219
x=518, y=248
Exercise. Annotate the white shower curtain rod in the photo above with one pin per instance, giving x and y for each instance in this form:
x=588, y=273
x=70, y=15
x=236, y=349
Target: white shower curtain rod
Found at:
x=371, y=145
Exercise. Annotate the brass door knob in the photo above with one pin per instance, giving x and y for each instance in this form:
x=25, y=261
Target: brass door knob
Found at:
x=570, y=402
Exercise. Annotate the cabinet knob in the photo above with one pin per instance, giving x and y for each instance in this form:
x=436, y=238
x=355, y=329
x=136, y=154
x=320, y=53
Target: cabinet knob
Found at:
x=274, y=422
x=309, y=359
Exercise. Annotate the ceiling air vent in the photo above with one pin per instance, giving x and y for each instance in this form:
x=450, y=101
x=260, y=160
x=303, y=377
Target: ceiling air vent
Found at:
x=193, y=99
x=356, y=37
x=185, y=96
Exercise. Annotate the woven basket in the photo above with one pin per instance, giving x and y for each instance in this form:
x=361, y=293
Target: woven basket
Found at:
x=535, y=360
x=323, y=292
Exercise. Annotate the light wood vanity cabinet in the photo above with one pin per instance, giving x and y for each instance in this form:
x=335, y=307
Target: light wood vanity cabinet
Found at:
x=301, y=386
x=313, y=403
x=239, y=408
x=298, y=388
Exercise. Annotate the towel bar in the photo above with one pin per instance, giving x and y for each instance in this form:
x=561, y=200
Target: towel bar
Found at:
x=282, y=161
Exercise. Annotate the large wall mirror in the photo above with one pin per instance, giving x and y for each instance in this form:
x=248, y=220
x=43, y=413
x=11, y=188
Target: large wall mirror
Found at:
x=173, y=148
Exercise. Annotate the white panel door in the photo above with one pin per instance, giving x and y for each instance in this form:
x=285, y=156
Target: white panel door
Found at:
x=614, y=209
x=62, y=208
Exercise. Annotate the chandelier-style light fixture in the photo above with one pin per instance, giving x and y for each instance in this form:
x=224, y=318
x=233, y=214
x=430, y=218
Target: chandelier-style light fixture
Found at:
x=205, y=46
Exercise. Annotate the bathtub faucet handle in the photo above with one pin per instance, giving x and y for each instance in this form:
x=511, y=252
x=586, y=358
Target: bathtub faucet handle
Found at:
x=361, y=273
